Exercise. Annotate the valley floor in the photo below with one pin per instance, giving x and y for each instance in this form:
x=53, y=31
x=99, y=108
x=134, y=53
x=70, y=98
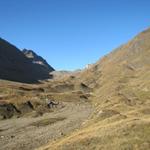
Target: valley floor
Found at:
x=28, y=132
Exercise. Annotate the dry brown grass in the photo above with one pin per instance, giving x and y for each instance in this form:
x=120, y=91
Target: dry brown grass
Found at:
x=121, y=97
x=118, y=88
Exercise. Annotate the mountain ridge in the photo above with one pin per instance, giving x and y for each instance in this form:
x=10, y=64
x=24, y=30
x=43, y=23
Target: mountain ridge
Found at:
x=117, y=90
x=14, y=65
x=36, y=59
x=120, y=97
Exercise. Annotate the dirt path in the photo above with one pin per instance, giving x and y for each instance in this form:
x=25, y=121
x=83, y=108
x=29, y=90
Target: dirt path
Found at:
x=30, y=133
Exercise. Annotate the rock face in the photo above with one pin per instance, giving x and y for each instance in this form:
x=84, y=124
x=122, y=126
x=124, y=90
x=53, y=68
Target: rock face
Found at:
x=35, y=59
x=8, y=110
x=15, y=66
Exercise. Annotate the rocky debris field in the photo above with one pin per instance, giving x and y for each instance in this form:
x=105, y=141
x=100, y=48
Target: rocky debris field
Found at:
x=30, y=132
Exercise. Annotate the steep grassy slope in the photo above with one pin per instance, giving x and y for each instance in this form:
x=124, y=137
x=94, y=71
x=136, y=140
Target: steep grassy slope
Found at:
x=121, y=96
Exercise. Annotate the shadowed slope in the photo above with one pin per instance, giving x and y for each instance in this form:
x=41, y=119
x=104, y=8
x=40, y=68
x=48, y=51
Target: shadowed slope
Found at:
x=38, y=60
x=16, y=67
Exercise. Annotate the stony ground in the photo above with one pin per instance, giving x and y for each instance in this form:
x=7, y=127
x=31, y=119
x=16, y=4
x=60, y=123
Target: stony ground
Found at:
x=28, y=133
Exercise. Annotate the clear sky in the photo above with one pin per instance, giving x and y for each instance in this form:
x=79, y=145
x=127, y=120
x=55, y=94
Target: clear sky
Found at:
x=72, y=33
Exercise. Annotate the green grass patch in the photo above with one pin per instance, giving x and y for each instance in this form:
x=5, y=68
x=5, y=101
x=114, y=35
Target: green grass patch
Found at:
x=49, y=121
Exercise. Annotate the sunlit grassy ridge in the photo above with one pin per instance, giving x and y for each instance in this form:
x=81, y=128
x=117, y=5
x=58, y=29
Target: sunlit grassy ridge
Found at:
x=121, y=97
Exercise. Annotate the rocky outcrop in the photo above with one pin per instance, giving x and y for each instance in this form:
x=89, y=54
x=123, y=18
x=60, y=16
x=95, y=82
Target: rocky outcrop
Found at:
x=8, y=110
x=35, y=59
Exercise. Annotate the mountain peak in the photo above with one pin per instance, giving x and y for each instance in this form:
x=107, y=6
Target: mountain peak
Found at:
x=36, y=59
x=15, y=65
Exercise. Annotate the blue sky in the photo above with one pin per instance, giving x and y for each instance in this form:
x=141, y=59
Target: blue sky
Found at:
x=72, y=33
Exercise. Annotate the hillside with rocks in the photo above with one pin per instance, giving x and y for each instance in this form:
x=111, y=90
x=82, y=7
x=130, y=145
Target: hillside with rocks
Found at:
x=104, y=106
x=120, y=83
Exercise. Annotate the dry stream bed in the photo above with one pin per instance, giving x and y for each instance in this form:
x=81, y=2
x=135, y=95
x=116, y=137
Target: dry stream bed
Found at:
x=28, y=133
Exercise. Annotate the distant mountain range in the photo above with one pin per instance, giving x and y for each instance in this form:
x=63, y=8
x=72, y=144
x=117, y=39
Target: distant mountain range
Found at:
x=22, y=66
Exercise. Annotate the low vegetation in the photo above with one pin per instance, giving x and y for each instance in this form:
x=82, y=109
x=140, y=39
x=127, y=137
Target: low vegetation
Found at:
x=117, y=88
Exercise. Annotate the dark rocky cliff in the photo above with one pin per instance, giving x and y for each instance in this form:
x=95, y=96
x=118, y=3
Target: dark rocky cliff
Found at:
x=15, y=66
